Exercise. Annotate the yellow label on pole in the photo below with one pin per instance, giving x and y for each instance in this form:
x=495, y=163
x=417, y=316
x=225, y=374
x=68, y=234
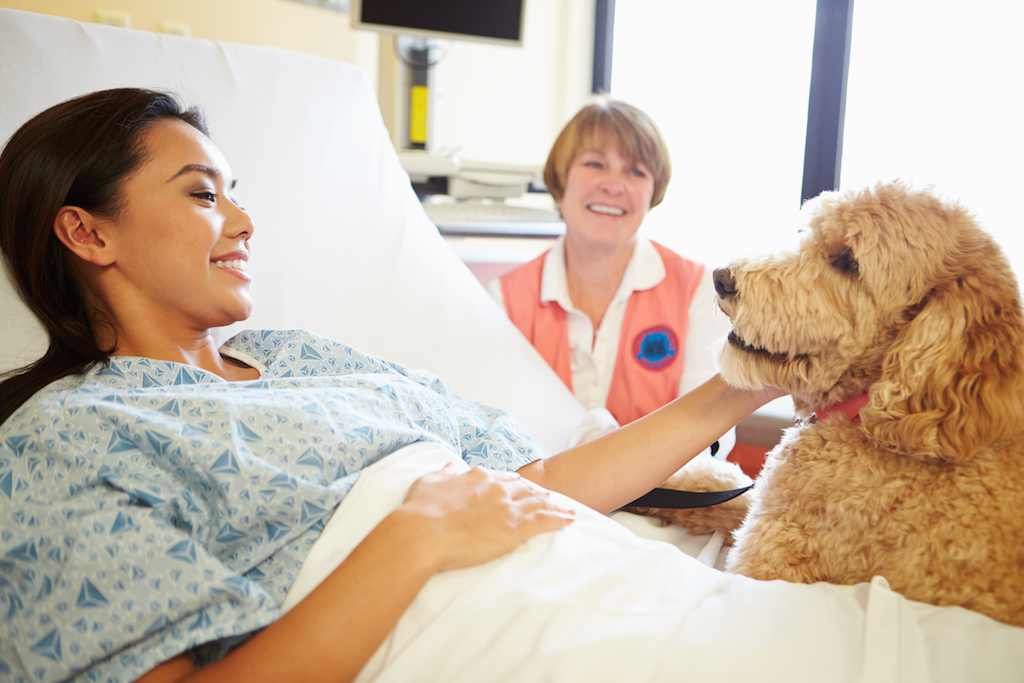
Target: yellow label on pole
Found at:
x=418, y=114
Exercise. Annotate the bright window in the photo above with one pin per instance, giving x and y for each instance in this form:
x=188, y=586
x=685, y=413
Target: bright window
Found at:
x=727, y=82
x=935, y=97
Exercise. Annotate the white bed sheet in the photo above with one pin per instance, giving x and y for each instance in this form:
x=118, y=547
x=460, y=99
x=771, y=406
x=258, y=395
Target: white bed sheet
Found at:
x=597, y=603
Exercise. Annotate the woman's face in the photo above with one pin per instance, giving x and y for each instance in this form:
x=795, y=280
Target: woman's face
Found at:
x=606, y=196
x=181, y=241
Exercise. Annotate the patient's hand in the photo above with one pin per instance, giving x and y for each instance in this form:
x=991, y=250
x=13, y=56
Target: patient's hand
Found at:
x=480, y=515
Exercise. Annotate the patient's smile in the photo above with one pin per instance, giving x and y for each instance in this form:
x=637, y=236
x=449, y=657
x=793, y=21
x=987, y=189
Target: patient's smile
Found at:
x=236, y=264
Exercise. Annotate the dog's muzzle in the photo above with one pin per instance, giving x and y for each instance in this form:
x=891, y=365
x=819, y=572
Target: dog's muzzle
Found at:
x=725, y=284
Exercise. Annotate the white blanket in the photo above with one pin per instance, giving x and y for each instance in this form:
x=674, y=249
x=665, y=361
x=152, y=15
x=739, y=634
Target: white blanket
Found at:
x=597, y=603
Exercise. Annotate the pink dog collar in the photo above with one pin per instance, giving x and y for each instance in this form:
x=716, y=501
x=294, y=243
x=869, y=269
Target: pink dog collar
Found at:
x=850, y=408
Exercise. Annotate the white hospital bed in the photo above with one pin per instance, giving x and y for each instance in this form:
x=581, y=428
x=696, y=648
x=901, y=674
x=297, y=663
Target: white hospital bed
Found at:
x=343, y=248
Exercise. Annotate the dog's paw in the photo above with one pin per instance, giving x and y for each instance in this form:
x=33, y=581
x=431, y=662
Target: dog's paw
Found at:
x=703, y=474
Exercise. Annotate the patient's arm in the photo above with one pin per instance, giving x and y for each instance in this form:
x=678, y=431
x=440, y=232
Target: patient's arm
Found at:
x=616, y=469
x=446, y=522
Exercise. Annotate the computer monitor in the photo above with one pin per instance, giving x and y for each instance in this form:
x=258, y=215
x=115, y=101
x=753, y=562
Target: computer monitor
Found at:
x=491, y=21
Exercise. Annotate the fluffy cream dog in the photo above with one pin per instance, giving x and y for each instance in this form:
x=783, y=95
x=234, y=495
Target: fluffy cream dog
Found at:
x=897, y=327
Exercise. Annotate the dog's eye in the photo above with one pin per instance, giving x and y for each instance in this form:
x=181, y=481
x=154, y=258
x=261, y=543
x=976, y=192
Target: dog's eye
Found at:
x=846, y=263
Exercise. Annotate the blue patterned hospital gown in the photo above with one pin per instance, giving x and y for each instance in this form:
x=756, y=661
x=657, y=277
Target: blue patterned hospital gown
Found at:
x=149, y=508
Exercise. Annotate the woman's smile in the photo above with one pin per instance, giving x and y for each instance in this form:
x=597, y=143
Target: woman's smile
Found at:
x=606, y=210
x=236, y=263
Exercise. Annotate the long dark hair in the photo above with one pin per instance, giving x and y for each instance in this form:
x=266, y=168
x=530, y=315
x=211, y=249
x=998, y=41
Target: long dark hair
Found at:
x=77, y=153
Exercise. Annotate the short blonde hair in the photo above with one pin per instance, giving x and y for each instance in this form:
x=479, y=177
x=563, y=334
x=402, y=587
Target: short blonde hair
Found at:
x=634, y=132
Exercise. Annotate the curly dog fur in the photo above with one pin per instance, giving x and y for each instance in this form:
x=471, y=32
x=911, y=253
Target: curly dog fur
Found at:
x=894, y=294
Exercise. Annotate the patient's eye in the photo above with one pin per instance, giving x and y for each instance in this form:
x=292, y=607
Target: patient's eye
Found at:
x=846, y=263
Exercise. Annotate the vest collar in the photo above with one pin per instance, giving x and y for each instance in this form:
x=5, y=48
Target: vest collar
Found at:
x=644, y=271
x=850, y=408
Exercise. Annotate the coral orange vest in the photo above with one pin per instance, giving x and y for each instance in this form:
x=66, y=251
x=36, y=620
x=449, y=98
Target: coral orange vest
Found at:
x=649, y=363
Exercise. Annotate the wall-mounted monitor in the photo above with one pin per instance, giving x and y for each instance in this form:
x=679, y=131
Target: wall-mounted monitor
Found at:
x=492, y=21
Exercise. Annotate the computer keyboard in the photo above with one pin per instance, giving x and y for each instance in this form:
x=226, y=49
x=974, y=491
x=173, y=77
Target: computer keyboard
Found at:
x=484, y=212
x=478, y=218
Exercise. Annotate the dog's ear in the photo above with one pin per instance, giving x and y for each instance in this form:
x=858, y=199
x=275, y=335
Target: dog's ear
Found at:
x=951, y=382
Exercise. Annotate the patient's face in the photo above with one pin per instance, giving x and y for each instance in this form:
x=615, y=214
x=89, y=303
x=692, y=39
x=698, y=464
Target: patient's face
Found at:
x=606, y=196
x=181, y=241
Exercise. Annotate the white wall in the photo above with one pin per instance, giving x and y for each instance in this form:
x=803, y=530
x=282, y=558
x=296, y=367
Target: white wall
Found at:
x=282, y=23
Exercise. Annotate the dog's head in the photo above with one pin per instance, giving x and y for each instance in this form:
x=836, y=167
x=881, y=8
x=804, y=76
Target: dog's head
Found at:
x=894, y=293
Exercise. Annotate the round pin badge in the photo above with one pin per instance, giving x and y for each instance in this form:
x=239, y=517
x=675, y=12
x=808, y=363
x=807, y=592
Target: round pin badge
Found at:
x=655, y=348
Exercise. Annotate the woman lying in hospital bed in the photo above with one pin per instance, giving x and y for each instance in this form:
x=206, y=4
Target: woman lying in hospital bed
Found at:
x=164, y=493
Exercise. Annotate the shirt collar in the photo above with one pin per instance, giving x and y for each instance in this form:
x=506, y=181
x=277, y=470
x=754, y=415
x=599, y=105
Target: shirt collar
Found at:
x=554, y=284
x=644, y=270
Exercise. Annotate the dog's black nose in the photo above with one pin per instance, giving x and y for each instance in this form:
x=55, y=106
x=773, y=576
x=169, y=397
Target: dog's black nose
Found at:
x=725, y=285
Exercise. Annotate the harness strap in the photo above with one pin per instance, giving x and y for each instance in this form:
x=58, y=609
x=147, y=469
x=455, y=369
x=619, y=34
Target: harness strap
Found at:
x=670, y=498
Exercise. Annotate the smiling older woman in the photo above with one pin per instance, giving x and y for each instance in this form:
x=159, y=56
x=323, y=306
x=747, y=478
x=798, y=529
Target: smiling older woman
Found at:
x=624, y=321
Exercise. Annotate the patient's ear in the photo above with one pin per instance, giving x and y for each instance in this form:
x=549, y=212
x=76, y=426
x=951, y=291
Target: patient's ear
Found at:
x=84, y=235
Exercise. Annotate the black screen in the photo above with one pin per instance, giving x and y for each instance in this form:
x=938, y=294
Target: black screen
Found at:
x=499, y=19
